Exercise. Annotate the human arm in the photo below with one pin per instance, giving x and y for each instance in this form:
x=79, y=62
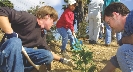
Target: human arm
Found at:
x=101, y=5
x=127, y=39
x=69, y=17
x=111, y=65
x=5, y=25
x=108, y=68
x=5, y=19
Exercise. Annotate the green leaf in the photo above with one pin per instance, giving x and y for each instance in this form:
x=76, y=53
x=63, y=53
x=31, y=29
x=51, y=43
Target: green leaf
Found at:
x=92, y=68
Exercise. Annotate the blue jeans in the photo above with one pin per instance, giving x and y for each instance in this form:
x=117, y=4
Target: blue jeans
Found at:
x=13, y=58
x=40, y=56
x=13, y=61
x=100, y=35
x=66, y=34
x=108, y=35
x=125, y=57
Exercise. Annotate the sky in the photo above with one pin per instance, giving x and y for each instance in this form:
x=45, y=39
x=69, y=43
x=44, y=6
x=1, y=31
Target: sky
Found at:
x=57, y=4
x=128, y=3
x=26, y=4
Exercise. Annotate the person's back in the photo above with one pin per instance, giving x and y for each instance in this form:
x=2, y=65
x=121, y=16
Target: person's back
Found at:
x=25, y=25
x=25, y=31
x=95, y=5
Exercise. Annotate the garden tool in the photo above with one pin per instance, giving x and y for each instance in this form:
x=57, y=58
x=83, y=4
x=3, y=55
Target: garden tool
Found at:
x=28, y=58
x=38, y=68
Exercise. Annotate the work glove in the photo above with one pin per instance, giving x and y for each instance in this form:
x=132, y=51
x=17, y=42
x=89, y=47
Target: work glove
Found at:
x=11, y=35
x=74, y=34
x=120, y=42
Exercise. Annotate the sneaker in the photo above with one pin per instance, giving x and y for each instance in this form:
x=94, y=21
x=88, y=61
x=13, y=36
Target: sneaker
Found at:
x=64, y=54
x=68, y=62
x=94, y=42
x=90, y=42
x=107, y=45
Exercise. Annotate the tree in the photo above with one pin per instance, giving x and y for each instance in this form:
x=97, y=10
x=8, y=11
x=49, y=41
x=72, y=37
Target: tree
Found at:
x=33, y=10
x=6, y=3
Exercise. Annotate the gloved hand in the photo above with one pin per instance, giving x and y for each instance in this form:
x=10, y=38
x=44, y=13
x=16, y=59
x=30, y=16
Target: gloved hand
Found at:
x=11, y=35
x=74, y=34
x=120, y=42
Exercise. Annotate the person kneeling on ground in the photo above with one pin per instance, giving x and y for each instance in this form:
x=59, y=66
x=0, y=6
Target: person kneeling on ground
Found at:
x=119, y=18
x=27, y=30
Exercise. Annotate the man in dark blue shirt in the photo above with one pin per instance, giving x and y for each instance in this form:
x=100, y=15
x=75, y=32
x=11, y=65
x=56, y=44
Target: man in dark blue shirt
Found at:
x=119, y=18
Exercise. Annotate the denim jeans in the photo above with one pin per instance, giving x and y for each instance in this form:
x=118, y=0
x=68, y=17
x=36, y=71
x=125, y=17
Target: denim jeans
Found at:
x=108, y=35
x=13, y=61
x=125, y=57
x=100, y=35
x=66, y=34
x=39, y=56
x=13, y=57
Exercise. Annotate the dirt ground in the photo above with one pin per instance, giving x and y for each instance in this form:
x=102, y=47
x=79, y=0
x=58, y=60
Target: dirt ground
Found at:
x=101, y=55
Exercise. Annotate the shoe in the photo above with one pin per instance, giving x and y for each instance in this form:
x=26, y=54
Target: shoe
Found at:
x=64, y=54
x=63, y=51
x=94, y=42
x=68, y=62
x=107, y=45
x=90, y=42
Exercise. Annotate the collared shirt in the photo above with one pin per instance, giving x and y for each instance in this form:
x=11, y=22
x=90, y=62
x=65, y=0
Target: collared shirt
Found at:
x=128, y=29
x=66, y=20
x=26, y=26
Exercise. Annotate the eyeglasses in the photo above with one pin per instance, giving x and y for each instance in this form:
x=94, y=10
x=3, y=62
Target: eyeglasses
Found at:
x=108, y=22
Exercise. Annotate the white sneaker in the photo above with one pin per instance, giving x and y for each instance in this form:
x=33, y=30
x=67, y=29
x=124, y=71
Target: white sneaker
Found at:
x=68, y=62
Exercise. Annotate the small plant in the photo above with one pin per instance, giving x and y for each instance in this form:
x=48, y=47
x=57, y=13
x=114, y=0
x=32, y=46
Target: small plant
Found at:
x=83, y=58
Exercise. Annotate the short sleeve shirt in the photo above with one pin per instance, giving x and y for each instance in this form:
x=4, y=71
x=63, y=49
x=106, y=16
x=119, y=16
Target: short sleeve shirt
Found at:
x=26, y=26
x=128, y=29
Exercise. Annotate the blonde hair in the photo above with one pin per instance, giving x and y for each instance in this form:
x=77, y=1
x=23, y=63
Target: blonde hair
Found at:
x=47, y=10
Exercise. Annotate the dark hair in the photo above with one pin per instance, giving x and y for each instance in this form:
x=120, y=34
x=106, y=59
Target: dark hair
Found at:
x=115, y=7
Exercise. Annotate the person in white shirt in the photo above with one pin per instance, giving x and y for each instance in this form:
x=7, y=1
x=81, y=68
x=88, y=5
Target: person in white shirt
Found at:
x=95, y=8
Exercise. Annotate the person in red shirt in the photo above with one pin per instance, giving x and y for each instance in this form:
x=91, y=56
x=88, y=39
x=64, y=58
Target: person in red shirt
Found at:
x=65, y=25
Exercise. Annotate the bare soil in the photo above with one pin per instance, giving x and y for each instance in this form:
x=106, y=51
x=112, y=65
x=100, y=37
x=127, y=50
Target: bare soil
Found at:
x=101, y=55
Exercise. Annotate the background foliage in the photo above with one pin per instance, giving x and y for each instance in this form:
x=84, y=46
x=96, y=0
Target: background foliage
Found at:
x=6, y=3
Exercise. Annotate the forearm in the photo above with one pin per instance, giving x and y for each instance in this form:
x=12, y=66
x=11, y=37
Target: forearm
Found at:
x=5, y=25
x=127, y=39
